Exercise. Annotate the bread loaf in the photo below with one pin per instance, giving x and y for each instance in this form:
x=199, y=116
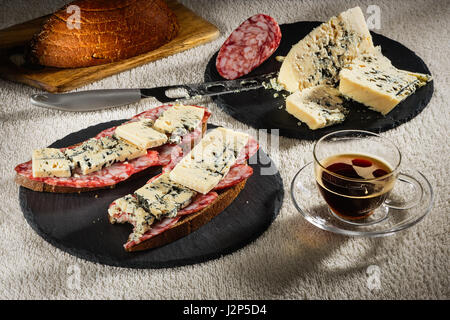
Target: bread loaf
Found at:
x=108, y=31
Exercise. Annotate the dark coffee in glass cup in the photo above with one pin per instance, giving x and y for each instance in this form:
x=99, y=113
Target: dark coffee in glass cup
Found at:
x=355, y=171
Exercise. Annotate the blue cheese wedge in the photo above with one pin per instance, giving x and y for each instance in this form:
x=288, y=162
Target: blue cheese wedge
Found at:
x=210, y=160
x=372, y=80
x=50, y=162
x=179, y=120
x=318, y=106
x=163, y=197
x=319, y=56
x=141, y=134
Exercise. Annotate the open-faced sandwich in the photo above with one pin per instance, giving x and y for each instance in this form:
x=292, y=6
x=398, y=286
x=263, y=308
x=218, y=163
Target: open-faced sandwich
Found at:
x=152, y=138
x=187, y=194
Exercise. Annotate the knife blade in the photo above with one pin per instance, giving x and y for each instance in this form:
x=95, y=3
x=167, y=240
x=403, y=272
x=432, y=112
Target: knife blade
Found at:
x=92, y=100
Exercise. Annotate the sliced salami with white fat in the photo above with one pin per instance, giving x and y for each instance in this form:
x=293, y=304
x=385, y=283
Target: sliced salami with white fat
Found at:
x=247, y=47
x=200, y=202
x=248, y=151
x=146, y=161
x=169, y=155
x=156, y=229
x=151, y=114
x=106, y=133
x=237, y=173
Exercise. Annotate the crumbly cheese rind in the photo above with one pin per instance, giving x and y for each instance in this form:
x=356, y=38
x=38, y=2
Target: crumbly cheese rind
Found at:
x=372, y=80
x=318, y=106
x=210, y=160
x=319, y=56
x=141, y=134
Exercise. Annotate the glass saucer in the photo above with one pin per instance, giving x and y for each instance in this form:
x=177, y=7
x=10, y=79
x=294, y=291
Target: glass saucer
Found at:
x=387, y=219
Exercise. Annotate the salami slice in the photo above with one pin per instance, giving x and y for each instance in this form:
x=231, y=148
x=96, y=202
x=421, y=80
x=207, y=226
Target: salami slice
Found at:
x=249, y=150
x=26, y=169
x=106, y=177
x=156, y=229
x=191, y=139
x=200, y=202
x=106, y=133
x=169, y=156
x=146, y=161
x=237, y=173
x=248, y=46
x=151, y=114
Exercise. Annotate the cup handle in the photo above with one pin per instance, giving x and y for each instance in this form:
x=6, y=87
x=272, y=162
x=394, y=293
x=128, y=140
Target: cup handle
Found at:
x=414, y=197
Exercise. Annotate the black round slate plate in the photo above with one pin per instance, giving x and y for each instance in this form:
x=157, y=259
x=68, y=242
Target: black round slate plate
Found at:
x=261, y=110
x=78, y=223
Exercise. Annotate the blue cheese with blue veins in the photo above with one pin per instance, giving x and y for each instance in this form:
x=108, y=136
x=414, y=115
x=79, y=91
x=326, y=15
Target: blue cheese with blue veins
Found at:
x=163, y=197
x=210, y=160
x=99, y=158
x=318, y=106
x=320, y=55
x=372, y=80
x=50, y=162
x=127, y=209
x=179, y=120
x=92, y=145
x=141, y=133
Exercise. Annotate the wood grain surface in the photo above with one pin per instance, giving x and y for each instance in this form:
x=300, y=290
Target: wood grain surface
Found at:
x=194, y=31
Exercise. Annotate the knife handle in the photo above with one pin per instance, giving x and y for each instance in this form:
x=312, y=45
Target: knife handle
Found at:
x=87, y=100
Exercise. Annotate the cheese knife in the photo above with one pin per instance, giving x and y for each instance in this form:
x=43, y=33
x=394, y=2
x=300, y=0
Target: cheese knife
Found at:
x=107, y=98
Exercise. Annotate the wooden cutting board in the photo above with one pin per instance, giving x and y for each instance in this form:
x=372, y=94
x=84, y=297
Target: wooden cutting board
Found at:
x=194, y=31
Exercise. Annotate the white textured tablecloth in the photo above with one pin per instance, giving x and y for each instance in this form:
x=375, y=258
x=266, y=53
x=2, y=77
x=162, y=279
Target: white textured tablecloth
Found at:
x=292, y=259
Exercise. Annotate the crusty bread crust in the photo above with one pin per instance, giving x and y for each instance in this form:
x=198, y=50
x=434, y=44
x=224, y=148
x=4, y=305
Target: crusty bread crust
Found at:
x=192, y=222
x=108, y=31
x=44, y=187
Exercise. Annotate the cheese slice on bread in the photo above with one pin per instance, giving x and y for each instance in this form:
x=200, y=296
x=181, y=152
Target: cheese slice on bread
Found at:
x=210, y=160
x=165, y=196
x=111, y=156
x=142, y=134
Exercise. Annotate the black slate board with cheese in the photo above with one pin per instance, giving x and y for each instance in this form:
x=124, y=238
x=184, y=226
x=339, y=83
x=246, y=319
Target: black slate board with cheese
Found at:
x=78, y=223
x=264, y=108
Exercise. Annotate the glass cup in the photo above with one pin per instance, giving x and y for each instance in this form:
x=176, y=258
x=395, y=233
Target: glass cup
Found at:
x=363, y=197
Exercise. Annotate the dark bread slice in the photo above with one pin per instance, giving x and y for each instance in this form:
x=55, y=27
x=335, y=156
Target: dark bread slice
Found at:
x=192, y=222
x=44, y=187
